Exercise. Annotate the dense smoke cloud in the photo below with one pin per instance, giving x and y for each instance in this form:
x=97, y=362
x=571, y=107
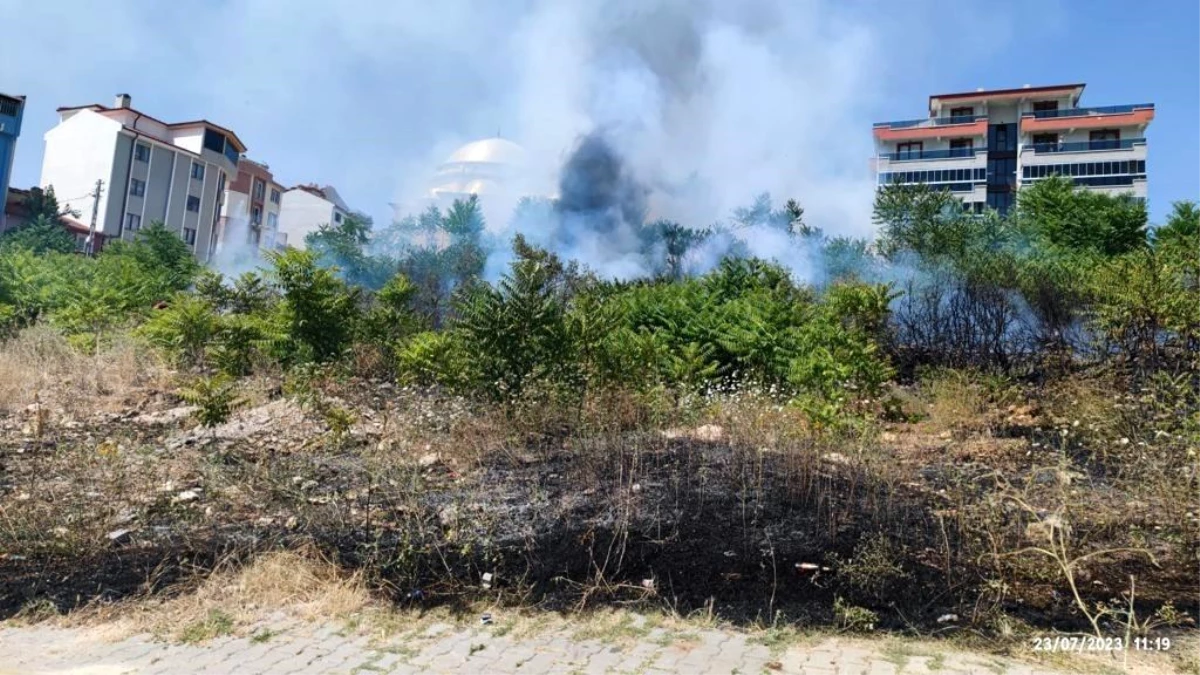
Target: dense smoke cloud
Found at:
x=707, y=103
x=686, y=110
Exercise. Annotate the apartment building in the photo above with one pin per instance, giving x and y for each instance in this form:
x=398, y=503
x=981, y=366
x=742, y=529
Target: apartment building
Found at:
x=306, y=208
x=12, y=109
x=149, y=170
x=250, y=212
x=984, y=145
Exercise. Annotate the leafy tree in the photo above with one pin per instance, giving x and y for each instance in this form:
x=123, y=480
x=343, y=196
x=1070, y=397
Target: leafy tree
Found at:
x=165, y=262
x=390, y=318
x=1182, y=227
x=43, y=232
x=40, y=235
x=183, y=329
x=44, y=204
x=320, y=309
x=1054, y=212
x=517, y=330
x=344, y=245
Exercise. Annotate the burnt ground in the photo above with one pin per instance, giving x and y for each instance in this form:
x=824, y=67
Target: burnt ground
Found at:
x=108, y=506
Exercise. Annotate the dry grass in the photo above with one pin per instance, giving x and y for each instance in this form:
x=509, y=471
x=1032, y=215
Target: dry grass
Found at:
x=39, y=363
x=297, y=584
x=956, y=401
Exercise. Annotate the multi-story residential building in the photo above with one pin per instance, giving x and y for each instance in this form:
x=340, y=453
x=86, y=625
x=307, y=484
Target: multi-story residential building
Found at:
x=252, y=204
x=149, y=170
x=12, y=109
x=984, y=145
x=306, y=208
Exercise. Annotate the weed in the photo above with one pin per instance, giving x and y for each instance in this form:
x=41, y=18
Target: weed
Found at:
x=215, y=624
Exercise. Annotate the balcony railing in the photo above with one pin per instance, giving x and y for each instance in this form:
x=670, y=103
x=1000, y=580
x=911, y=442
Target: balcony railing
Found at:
x=1085, y=112
x=931, y=122
x=9, y=106
x=952, y=153
x=1086, y=146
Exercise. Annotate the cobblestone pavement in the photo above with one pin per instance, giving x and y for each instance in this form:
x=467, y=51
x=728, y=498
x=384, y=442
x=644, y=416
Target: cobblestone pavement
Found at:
x=292, y=648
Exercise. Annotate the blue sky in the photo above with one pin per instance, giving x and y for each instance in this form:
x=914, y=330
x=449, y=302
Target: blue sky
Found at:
x=369, y=95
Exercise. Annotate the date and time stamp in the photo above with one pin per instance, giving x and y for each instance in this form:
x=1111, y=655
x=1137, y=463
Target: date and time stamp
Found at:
x=1082, y=644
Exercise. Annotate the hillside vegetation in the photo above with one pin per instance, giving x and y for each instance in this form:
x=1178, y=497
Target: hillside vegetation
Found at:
x=971, y=423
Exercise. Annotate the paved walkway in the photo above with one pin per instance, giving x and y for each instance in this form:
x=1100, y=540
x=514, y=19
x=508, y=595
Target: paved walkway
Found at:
x=299, y=649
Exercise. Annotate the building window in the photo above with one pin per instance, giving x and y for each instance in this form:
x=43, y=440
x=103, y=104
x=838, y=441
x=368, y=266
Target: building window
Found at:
x=1104, y=139
x=214, y=141
x=965, y=111
x=256, y=215
x=189, y=236
x=137, y=188
x=197, y=171
x=1045, y=106
x=337, y=217
x=903, y=151
x=272, y=221
x=260, y=189
x=274, y=196
x=141, y=152
x=132, y=222
x=961, y=147
x=193, y=203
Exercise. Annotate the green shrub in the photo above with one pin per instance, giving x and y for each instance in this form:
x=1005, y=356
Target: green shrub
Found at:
x=436, y=358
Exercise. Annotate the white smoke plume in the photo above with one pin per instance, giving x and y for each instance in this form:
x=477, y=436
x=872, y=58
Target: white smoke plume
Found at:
x=707, y=102
x=703, y=106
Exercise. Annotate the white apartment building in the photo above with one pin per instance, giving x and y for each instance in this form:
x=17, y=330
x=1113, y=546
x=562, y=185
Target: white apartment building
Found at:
x=150, y=170
x=984, y=145
x=251, y=208
x=306, y=208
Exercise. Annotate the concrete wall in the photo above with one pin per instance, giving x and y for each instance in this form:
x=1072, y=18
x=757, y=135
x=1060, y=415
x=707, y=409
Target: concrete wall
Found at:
x=302, y=213
x=78, y=151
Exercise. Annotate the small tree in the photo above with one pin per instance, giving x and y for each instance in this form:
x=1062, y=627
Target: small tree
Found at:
x=215, y=399
x=321, y=310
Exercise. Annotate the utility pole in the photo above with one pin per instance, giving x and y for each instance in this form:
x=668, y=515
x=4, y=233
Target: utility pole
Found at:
x=90, y=248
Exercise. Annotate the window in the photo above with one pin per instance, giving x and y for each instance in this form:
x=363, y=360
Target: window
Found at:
x=260, y=189
x=1045, y=142
x=137, y=188
x=274, y=196
x=214, y=141
x=132, y=222
x=1045, y=106
x=1104, y=139
x=272, y=221
x=965, y=111
x=189, y=236
x=961, y=147
x=141, y=152
x=903, y=151
x=193, y=203
x=337, y=217
x=256, y=215
x=197, y=171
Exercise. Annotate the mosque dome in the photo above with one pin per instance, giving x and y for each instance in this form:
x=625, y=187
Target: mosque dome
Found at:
x=480, y=168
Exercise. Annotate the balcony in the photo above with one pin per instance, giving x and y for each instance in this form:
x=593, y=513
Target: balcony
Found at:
x=9, y=106
x=1133, y=115
x=932, y=127
x=952, y=153
x=1085, y=146
x=1086, y=112
x=10, y=116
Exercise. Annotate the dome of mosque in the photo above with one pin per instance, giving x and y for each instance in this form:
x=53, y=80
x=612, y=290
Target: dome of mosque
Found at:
x=477, y=168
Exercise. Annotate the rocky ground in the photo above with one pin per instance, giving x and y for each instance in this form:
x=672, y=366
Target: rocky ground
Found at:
x=436, y=501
